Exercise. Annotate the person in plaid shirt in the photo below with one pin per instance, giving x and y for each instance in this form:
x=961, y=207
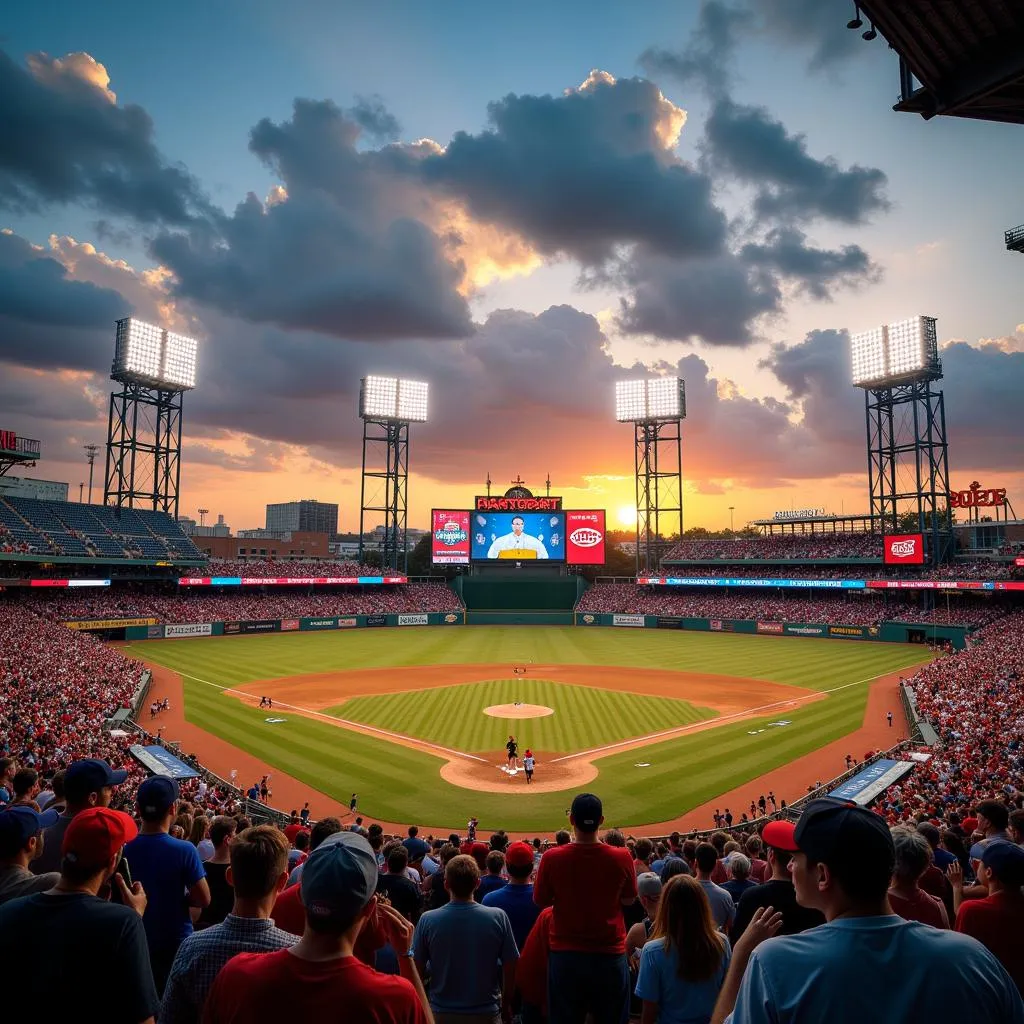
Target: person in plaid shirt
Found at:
x=258, y=872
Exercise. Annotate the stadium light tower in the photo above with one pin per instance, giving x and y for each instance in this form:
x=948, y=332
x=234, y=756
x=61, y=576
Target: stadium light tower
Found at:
x=656, y=407
x=154, y=368
x=387, y=405
x=908, y=457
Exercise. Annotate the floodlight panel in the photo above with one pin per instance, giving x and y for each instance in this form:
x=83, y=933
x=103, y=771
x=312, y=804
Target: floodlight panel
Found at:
x=906, y=347
x=630, y=400
x=867, y=349
x=180, y=360
x=138, y=347
x=412, y=400
x=379, y=398
x=663, y=398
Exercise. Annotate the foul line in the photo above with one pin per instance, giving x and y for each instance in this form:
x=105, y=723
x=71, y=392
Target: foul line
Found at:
x=680, y=730
x=353, y=726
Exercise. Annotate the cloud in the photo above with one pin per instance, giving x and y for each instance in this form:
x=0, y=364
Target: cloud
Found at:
x=705, y=59
x=817, y=25
x=748, y=144
x=376, y=121
x=65, y=140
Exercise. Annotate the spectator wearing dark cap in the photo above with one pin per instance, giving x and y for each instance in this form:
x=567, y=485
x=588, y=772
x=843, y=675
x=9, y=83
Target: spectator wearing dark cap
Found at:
x=777, y=891
x=87, y=783
x=516, y=898
x=86, y=940
x=995, y=920
x=866, y=963
x=170, y=871
x=21, y=842
x=257, y=873
x=320, y=978
x=588, y=883
x=470, y=951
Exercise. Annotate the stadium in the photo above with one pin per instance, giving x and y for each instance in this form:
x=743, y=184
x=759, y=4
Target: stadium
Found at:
x=709, y=745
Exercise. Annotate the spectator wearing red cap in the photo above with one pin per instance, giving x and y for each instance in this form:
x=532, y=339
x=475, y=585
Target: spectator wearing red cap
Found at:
x=257, y=873
x=171, y=872
x=320, y=978
x=777, y=891
x=516, y=898
x=866, y=963
x=588, y=883
x=86, y=941
x=470, y=951
x=87, y=783
x=995, y=921
x=21, y=842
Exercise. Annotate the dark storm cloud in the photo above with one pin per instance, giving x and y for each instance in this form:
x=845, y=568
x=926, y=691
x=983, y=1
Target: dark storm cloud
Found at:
x=705, y=59
x=817, y=25
x=748, y=144
x=581, y=173
x=815, y=271
x=65, y=141
x=375, y=119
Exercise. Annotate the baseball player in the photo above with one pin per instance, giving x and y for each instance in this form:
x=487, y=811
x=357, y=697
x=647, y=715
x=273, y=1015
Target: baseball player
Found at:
x=517, y=541
x=528, y=765
x=513, y=751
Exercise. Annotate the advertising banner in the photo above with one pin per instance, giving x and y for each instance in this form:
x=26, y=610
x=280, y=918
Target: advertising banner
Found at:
x=769, y=627
x=852, y=631
x=189, y=629
x=350, y=622
x=588, y=619
x=160, y=761
x=232, y=627
x=413, y=620
x=797, y=630
x=503, y=503
x=873, y=780
x=726, y=581
x=289, y=624
x=371, y=620
x=670, y=622
x=628, y=620
x=584, y=537
x=154, y=632
x=108, y=623
x=261, y=626
x=518, y=536
x=319, y=623
x=449, y=537
x=288, y=581
x=451, y=619
x=715, y=625
x=904, y=549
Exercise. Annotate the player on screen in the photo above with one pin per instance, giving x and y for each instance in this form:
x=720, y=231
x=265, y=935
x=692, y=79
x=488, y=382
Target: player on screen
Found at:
x=517, y=541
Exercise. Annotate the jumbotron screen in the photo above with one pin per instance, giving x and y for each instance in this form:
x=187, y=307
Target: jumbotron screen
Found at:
x=459, y=537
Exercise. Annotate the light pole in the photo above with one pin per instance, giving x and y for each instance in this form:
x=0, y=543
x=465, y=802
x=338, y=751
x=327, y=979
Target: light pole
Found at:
x=90, y=457
x=732, y=528
x=203, y=512
x=80, y=486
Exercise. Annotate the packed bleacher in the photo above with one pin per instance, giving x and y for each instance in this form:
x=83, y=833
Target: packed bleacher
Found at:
x=962, y=569
x=270, y=568
x=71, y=529
x=631, y=599
x=782, y=546
x=834, y=917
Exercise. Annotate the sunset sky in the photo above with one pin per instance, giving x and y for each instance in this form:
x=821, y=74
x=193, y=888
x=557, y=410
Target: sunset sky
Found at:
x=521, y=206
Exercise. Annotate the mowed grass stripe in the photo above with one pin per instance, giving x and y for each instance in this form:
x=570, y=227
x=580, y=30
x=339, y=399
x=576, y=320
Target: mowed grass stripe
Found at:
x=584, y=717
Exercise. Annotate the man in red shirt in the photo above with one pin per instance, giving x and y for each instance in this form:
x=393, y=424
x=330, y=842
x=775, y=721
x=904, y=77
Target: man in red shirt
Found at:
x=995, y=921
x=587, y=883
x=320, y=973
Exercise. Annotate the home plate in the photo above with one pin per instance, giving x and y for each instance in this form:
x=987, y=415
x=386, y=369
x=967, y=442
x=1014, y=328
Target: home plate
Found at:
x=508, y=771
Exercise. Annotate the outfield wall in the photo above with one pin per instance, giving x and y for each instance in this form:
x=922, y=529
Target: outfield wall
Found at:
x=886, y=632
x=240, y=627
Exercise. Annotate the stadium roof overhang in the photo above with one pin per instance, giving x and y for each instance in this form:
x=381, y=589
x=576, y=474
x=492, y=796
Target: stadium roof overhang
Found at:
x=960, y=58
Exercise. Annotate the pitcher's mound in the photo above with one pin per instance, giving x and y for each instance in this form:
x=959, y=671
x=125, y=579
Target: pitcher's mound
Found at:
x=518, y=711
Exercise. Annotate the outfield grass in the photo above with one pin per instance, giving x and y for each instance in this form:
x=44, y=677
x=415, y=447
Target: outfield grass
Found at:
x=398, y=784
x=585, y=716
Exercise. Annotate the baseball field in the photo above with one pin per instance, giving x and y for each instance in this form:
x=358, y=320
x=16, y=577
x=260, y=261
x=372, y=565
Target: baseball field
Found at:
x=415, y=719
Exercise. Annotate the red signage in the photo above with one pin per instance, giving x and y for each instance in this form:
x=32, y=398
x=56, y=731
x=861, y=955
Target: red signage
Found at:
x=904, y=549
x=484, y=503
x=1018, y=561
x=8, y=440
x=449, y=537
x=584, y=537
x=978, y=497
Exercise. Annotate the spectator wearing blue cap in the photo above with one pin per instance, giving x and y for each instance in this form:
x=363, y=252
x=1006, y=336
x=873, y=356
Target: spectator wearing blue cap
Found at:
x=87, y=783
x=21, y=842
x=170, y=871
x=320, y=978
x=865, y=963
x=995, y=921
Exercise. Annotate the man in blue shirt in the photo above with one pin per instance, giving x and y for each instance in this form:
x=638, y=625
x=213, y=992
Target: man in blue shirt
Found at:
x=516, y=898
x=470, y=950
x=417, y=848
x=865, y=963
x=170, y=871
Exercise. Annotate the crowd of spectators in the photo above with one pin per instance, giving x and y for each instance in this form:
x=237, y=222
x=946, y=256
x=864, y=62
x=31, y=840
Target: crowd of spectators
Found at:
x=264, y=568
x=192, y=604
x=780, y=546
x=832, y=609
x=966, y=569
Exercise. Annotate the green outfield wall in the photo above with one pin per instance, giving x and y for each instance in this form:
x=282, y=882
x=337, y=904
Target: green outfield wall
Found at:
x=518, y=594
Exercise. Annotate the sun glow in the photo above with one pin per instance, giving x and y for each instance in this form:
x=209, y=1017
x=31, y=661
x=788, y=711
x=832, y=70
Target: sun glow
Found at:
x=626, y=515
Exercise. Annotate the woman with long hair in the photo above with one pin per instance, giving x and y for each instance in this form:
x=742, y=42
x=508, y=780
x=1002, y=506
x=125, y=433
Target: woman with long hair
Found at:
x=683, y=965
x=200, y=829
